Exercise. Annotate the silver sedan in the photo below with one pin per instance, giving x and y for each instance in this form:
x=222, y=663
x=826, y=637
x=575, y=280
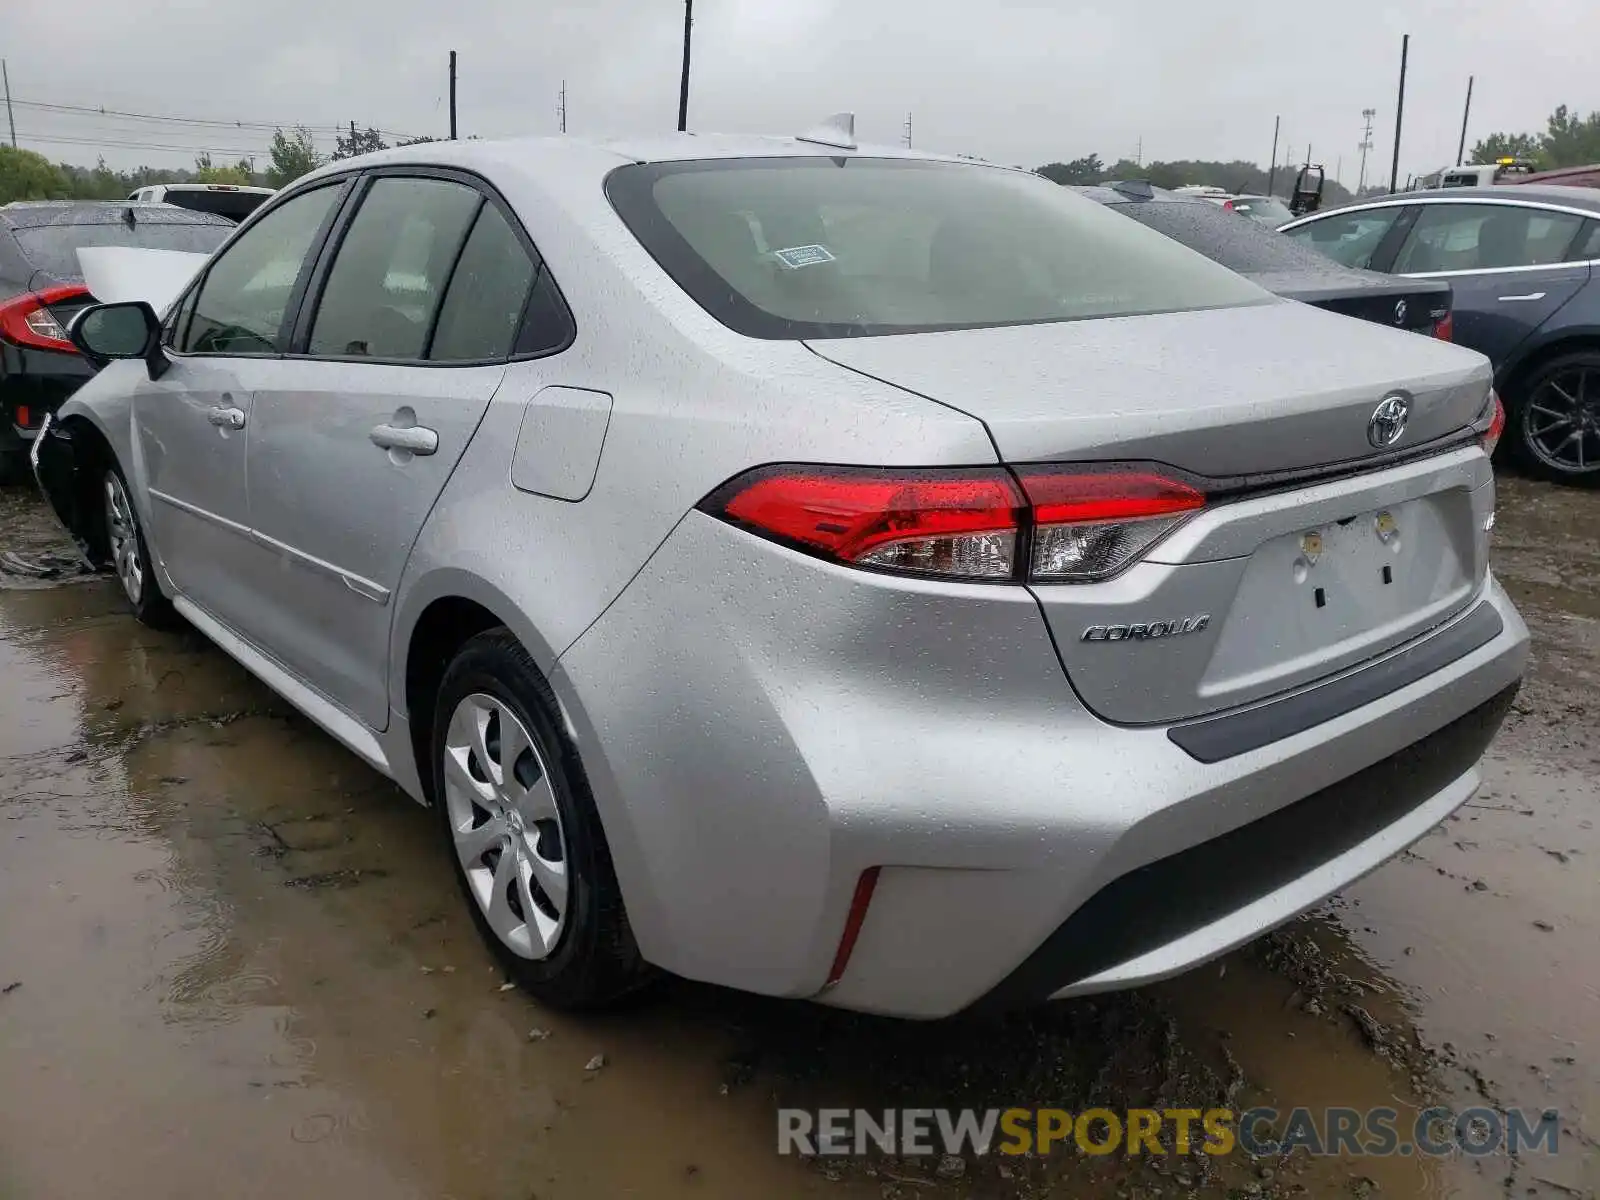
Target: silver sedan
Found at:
x=826, y=571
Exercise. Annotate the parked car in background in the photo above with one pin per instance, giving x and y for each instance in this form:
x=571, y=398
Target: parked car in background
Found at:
x=1502, y=170
x=828, y=571
x=234, y=201
x=1264, y=210
x=1521, y=260
x=41, y=287
x=1277, y=263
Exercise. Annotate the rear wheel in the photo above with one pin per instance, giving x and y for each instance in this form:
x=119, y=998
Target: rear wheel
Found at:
x=130, y=555
x=530, y=856
x=1555, y=423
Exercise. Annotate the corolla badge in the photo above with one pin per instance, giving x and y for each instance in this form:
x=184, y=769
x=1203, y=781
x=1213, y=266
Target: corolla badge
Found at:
x=1387, y=425
x=1146, y=631
x=1400, y=313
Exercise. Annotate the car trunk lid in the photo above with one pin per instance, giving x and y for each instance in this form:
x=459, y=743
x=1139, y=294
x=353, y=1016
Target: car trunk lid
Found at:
x=1315, y=551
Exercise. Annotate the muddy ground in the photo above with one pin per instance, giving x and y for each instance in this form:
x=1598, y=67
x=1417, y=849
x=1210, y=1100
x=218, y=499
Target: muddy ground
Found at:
x=232, y=964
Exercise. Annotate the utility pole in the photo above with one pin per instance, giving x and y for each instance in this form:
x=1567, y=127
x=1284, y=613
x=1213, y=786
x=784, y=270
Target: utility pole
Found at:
x=452, y=95
x=1138, y=152
x=561, y=106
x=1272, y=171
x=9, y=117
x=1338, y=169
x=1366, y=144
x=1461, y=146
x=908, y=131
x=1399, y=115
x=683, y=82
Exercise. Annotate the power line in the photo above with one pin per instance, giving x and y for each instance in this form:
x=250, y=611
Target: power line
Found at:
x=122, y=145
x=208, y=122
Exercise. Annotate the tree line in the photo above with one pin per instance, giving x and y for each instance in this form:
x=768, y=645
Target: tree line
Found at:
x=28, y=175
x=1567, y=141
x=1235, y=176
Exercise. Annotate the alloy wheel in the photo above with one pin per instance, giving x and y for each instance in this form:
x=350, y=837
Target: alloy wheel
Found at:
x=122, y=530
x=506, y=825
x=1561, y=420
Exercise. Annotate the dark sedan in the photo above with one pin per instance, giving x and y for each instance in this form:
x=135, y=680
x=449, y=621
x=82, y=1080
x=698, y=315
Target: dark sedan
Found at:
x=1521, y=260
x=1277, y=263
x=41, y=287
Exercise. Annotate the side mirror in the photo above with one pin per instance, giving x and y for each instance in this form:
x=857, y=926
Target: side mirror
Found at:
x=129, y=329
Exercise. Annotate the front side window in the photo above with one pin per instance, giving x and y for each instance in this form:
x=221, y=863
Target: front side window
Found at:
x=841, y=247
x=241, y=304
x=1483, y=237
x=390, y=273
x=1350, y=238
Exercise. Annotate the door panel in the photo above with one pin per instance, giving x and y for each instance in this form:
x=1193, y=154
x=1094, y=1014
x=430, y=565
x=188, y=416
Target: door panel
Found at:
x=335, y=514
x=191, y=426
x=1504, y=264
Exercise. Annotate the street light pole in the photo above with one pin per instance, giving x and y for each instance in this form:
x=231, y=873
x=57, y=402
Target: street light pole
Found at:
x=683, y=83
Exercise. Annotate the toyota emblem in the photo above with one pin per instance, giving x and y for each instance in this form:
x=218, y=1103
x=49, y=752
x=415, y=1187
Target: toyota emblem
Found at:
x=1400, y=313
x=1387, y=425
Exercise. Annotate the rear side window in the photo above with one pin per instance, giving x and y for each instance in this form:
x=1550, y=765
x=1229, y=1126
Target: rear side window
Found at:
x=1484, y=237
x=241, y=304
x=488, y=292
x=235, y=206
x=841, y=247
x=389, y=276
x=1349, y=238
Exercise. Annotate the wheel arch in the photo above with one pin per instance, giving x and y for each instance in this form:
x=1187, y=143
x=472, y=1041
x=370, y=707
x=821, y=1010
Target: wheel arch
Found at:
x=1535, y=354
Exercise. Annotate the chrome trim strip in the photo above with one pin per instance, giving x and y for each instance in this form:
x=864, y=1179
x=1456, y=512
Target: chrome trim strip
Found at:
x=195, y=510
x=358, y=584
x=1581, y=262
x=1397, y=201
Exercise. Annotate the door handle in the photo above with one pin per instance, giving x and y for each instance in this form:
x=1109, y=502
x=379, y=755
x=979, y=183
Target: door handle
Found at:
x=416, y=439
x=226, y=418
x=1527, y=296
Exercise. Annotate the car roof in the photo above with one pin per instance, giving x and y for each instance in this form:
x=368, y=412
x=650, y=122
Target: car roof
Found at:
x=35, y=214
x=1548, y=193
x=605, y=153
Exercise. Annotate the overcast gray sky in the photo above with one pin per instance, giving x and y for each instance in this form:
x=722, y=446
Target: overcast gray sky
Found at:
x=1017, y=82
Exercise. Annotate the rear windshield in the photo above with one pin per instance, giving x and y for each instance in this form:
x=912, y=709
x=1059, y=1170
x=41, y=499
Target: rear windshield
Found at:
x=851, y=247
x=53, y=248
x=236, y=206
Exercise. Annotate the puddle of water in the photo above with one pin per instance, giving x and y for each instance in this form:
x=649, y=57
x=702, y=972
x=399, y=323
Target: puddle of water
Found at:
x=245, y=972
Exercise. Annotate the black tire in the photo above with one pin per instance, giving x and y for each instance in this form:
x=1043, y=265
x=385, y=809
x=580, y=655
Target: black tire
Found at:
x=1530, y=435
x=145, y=600
x=595, y=961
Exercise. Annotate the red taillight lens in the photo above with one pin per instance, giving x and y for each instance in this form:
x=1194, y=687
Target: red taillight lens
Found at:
x=966, y=524
x=1497, y=424
x=933, y=522
x=1092, y=525
x=1228, y=204
x=26, y=321
x=1445, y=327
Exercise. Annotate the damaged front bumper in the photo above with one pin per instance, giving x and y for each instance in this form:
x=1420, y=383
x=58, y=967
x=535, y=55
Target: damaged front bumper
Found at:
x=60, y=472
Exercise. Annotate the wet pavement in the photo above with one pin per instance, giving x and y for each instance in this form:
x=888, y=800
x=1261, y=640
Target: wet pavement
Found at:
x=233, y=964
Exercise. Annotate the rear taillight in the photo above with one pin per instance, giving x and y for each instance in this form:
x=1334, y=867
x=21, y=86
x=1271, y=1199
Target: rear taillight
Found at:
x=1092, y=525
x=1445, y=327
x=28, y=321
x=1228, y=204
x=1046, y=523
x=1497, y=424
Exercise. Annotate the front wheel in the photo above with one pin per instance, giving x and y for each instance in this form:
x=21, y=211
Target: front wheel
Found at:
x=523, y=832
x=1555, y=421
x=130, y=554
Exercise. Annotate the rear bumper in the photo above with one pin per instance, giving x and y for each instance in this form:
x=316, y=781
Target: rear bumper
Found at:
x=35, y=382
x=759, y=728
